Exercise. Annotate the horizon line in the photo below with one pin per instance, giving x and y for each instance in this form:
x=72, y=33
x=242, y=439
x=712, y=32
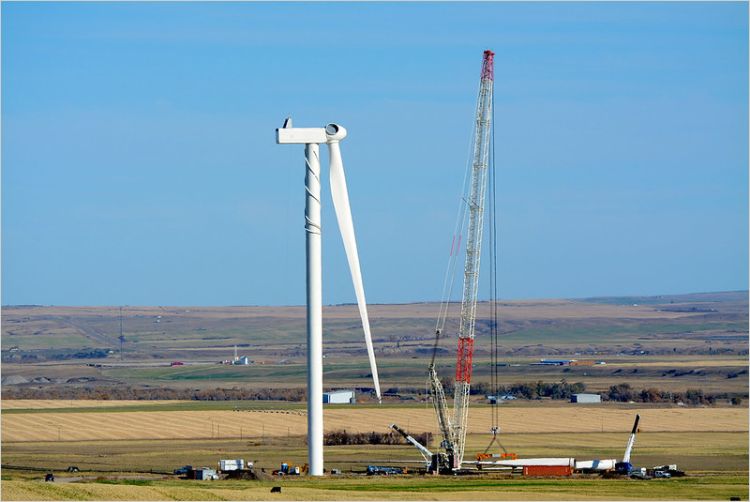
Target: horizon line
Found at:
x=415, y=302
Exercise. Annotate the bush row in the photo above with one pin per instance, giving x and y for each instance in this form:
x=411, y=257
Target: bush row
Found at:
x=343, y=437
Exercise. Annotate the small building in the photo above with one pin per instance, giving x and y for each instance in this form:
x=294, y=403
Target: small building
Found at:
x=244, y=360
x=586, y=398
x=339, y=397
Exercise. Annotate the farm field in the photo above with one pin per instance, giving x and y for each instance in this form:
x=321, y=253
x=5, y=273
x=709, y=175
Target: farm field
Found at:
x=126, y=449
x=694, y=451
x=719, y=374
x=57, y=404
x=711, y=487
x=29, y=425
x=673, y=343
x=700, y=439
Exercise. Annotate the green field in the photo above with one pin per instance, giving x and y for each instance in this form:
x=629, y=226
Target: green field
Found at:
x=697, y=341
x=712, y=374
x=704, y=487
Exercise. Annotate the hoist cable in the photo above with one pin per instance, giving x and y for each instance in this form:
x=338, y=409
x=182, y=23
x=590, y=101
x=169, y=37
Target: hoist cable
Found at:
x=494, y=265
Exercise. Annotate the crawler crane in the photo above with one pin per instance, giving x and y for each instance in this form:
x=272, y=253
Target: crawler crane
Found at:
x=453, y=428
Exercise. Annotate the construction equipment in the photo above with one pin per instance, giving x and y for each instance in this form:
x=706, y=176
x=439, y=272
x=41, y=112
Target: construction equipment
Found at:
x=670, y=469
x=427, y=454
x=502, y=456
x=379, y=470
x=185, y=470
x=454, y=428
x=624, y=466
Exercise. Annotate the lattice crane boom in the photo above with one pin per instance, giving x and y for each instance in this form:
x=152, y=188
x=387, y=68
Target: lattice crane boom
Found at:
x=454, y=430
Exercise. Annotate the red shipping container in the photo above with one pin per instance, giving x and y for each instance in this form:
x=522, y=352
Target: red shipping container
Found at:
x=547, y=470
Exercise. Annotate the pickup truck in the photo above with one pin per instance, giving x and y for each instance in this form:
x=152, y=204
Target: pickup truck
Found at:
x=184, y=470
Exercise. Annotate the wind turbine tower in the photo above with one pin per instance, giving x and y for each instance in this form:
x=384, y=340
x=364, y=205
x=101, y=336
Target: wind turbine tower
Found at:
x=312, y=138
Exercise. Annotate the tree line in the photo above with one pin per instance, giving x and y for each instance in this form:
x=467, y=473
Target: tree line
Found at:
x=342, y=437
x=622, y=392
x=126, y=392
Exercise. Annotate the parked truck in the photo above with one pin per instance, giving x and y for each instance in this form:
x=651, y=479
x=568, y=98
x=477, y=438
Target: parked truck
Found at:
x=231, y=465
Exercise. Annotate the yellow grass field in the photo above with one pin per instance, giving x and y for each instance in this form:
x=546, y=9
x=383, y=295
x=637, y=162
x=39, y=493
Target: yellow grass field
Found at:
x=10, y=404
x=102, y=425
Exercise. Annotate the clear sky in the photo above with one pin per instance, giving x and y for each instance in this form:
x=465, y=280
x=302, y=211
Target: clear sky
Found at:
x=139, y=164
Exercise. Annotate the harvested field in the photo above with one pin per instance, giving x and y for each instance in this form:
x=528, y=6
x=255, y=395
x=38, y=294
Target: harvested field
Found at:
x=692, y=451
x=15, y=404
x=234, y=424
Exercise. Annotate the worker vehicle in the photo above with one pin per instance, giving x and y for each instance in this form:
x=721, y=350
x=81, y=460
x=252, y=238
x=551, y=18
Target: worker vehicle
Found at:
x=624, y=466
x=184, y=470
x=378, y=470
x=291, y=470
x=639, y=474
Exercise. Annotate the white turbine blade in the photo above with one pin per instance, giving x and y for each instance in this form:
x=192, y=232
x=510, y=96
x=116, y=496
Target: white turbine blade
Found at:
x=340, y=197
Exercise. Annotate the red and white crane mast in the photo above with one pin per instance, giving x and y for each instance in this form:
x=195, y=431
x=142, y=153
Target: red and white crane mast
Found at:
x=473, y=253
x=454, y=429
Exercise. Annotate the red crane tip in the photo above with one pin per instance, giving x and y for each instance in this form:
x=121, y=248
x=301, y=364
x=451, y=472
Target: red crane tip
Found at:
x=488, y=65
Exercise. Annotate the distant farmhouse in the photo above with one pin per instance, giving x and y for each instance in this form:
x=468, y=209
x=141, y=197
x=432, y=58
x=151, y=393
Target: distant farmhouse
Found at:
x=237, y=360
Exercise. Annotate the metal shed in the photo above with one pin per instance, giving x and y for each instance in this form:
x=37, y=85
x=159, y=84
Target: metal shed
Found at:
x=586, y=398
x=339, y=397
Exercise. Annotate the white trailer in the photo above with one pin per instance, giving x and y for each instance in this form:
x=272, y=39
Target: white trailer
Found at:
x=231, y=465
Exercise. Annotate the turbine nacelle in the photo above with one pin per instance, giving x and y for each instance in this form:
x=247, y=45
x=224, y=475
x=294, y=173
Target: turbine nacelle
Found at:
x=288, y=135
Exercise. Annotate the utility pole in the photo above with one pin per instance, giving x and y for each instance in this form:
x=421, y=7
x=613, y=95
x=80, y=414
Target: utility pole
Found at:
x=121, y=337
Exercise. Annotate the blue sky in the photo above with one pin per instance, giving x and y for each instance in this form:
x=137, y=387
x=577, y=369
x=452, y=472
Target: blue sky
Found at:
x=139, y=164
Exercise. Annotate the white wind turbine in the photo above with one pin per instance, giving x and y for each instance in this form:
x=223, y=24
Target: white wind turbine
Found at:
x=331, y=134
